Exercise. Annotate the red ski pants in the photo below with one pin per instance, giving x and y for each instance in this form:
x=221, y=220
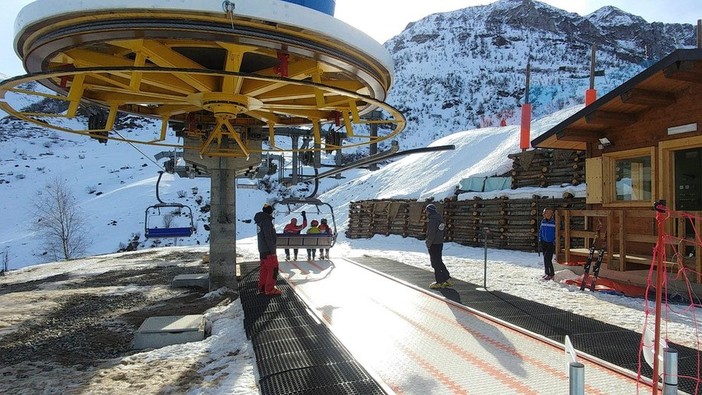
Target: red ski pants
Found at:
x=267, y=275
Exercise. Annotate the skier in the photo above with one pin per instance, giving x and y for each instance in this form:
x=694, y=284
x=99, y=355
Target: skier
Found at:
x=326, y=230
x=313, y=230
x=547, y=236
x=294, y=228
x=435, y=245
x=265, y=232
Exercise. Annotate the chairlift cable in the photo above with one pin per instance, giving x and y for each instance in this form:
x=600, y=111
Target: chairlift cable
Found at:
x=140, y=151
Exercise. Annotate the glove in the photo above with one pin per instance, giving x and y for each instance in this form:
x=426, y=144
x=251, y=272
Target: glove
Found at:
x=304, y=214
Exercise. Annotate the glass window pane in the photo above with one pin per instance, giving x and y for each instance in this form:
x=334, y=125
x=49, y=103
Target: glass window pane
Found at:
x=633, y=179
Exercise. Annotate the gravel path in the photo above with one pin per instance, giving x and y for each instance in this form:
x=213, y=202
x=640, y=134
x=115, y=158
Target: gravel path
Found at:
x=63, y=328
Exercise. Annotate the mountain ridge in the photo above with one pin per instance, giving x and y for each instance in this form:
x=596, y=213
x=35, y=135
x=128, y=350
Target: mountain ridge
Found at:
x=465, y=69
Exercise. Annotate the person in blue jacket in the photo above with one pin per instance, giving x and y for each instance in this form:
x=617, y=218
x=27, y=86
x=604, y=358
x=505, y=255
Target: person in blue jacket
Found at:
x=547, y=237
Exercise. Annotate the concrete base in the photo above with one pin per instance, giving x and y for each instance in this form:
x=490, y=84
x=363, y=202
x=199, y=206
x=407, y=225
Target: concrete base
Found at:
x=156, y=332
x=201, y=280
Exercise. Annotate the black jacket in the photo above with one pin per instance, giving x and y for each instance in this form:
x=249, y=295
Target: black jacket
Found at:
x=435, y=229
x=265, y=232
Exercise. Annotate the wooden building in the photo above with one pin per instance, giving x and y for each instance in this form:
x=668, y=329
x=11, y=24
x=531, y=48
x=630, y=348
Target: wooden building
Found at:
x=643, y=143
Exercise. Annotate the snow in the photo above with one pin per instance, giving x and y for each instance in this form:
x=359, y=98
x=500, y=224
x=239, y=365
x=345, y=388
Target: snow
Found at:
x=225, y=361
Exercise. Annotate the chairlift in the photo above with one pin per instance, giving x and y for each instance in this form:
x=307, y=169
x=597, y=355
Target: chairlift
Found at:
x=152, y=231
x=287, y=240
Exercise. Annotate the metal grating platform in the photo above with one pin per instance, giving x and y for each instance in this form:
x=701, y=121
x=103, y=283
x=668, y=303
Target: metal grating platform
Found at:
x=295, y=353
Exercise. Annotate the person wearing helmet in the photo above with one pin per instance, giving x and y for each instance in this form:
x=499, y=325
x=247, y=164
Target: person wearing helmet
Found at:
x=265, y=233
x=295, y=229
x=435, y=245
x=325, y=230
x=313, y=230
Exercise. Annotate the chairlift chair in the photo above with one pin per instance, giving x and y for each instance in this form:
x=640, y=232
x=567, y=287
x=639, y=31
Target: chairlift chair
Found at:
x=154, y=232
x=287, y=240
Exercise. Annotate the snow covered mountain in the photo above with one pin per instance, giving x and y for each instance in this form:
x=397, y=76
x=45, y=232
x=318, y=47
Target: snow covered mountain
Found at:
x=465, y=69
x=455, y=72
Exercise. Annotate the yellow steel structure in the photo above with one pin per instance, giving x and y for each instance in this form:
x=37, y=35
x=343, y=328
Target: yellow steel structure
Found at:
x=224, y=77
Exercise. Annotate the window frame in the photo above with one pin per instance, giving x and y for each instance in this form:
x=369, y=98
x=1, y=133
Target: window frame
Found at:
x=609, y=179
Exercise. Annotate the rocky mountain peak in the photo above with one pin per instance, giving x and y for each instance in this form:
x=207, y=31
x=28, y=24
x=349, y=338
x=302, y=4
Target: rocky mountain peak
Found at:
x=464, y=69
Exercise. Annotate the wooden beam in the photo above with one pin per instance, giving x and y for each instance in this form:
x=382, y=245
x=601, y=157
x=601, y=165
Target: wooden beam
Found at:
x=647, y=97
x=586, y=136
x=607, y=118
x=688, y=71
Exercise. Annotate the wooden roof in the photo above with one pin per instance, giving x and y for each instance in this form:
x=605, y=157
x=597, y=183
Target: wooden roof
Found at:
x=652, y=88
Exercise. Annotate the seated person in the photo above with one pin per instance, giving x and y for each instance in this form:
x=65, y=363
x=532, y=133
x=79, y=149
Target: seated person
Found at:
x=294, y=228
x=313, y=230
x=325, y=230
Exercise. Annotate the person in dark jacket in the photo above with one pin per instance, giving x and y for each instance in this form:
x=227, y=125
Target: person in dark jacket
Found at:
x=435, y=245
x=547, y=237
x=294, y=229
x=265, y=233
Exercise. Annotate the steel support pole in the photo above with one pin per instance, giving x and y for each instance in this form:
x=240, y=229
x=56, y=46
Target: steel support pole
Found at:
x=223, y=227
x=485, y=235
x=670, y=371
x=576, y=376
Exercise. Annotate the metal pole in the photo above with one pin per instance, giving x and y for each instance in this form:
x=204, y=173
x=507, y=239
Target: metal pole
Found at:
x=375, y=115
x=485, y=233
x=295, y=160
x=577, y=378
x=593, y=64
x=670, y=371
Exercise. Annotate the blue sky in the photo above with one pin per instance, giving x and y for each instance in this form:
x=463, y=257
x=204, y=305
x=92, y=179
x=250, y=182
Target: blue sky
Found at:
x=385, y=19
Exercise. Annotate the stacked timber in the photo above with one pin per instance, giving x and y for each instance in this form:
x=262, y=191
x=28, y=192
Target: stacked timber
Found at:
x=385, y=217
x=542, y=168
x=511, y=224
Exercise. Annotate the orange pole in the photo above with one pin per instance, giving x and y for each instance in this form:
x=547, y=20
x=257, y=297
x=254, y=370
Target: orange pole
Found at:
x=590, y=96
x=525, y=135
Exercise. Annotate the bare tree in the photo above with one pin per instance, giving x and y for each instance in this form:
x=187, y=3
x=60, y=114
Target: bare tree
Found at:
x=59, y=221
x=168, y=220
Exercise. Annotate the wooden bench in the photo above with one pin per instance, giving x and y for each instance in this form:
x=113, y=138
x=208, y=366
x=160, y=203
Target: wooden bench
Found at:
x=287, y=240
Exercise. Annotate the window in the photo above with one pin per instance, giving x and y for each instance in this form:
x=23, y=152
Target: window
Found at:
x=633, y=179
x=629, y=177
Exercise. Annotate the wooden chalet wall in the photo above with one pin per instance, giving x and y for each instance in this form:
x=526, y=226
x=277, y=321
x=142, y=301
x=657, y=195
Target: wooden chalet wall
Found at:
x=546, y=167
x=511, y=223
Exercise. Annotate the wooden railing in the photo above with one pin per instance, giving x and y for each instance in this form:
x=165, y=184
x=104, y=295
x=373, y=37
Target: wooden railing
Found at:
x=630, y=239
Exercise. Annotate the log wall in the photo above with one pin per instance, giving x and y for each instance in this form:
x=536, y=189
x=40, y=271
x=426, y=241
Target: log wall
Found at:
x=543, y=167
x=511, y=224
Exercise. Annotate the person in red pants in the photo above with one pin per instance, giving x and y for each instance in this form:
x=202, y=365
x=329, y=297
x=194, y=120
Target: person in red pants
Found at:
x=265, y=232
